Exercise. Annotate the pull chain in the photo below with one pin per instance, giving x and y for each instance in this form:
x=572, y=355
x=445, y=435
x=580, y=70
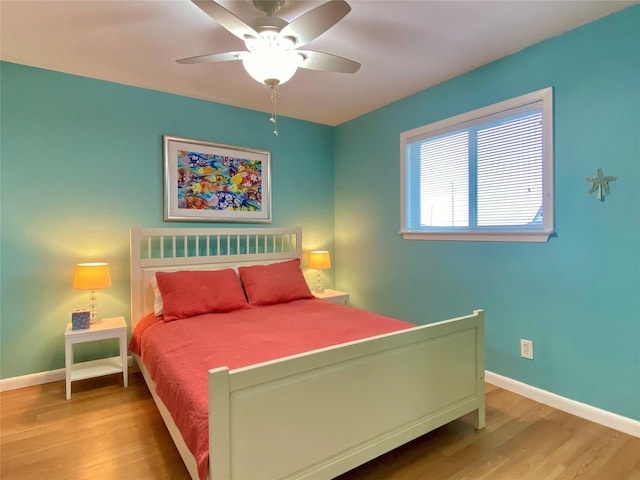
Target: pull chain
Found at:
x=274, y=114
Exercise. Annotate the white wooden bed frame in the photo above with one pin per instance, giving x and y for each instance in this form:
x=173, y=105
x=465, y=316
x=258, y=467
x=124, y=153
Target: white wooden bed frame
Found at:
x=318, y=414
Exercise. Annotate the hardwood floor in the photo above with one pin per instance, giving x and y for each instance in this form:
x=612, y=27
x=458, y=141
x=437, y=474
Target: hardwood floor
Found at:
x=106, y=432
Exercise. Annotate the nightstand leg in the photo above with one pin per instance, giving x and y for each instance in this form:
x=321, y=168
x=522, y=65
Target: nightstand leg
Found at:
x=68, y=361
x=123, y=358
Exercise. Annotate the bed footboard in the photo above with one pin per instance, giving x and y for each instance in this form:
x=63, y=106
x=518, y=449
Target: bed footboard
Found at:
x=320, y=414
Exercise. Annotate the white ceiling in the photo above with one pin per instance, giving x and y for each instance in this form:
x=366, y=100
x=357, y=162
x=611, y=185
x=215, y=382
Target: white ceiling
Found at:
x=403, y=46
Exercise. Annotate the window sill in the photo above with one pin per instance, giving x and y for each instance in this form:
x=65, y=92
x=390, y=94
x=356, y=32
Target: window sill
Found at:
x=537, y=237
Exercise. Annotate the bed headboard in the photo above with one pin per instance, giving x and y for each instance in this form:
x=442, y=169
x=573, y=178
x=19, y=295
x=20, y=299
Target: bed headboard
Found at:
x=172, y=249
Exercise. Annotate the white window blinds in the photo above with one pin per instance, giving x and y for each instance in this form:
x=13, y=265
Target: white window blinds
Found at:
x=443, y=197
x=486, y=172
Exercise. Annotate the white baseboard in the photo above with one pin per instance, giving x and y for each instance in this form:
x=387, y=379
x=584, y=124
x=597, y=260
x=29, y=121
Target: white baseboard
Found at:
x=593, y=414
x=31, y=380
x=37, y=378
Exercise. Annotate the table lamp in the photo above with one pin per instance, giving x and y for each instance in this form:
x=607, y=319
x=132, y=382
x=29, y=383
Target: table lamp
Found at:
x=92, y=276
x=320, y=260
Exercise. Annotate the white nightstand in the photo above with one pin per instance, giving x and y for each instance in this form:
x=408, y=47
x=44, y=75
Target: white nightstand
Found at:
x=115, y=327
x=334, y=296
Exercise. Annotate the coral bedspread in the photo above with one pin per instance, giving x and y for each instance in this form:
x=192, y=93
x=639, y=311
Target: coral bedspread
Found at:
x=179, y=354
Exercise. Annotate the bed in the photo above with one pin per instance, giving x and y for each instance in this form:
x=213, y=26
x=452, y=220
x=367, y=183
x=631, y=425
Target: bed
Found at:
x=319, y=413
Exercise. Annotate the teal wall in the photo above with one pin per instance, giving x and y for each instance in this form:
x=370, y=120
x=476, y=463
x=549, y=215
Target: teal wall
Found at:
x=81, y=161
x=576, y=296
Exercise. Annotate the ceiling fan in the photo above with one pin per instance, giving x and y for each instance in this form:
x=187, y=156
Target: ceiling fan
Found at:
x=273, y=52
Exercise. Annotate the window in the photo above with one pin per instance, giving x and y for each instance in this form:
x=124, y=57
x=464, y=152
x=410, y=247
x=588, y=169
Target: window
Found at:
x=483, y=175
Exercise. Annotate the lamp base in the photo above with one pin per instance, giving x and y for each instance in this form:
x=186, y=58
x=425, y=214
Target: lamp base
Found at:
x=93, y=308
x=319, y=287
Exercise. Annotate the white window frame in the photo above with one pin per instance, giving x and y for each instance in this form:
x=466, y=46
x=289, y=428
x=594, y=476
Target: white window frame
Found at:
x=496, y=234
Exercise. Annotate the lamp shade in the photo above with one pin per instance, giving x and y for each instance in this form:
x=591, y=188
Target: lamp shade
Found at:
x=319, y=259
x=91, y=276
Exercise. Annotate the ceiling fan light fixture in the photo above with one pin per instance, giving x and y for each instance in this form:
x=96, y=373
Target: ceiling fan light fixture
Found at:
x=270, y=59
x=272, y=66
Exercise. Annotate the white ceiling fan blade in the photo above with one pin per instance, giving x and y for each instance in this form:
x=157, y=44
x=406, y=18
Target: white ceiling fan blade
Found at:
x=213, y=57
x=327, y=62
x=314, y=23
x=225, y=18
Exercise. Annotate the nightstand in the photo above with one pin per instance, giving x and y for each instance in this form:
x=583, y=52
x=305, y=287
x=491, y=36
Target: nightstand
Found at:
x=334, y=296
x=115, y=327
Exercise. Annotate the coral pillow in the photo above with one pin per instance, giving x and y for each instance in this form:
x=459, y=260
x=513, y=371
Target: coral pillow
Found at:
x=194, y=292
x=276, y=283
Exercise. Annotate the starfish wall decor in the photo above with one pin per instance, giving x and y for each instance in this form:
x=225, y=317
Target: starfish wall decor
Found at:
x=600, y=183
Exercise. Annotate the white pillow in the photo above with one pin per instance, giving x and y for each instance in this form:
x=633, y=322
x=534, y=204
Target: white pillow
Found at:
x=157, y=297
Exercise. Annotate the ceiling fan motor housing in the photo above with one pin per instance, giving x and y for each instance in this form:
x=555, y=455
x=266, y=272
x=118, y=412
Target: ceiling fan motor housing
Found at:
x=266, y=23
x=268, y=6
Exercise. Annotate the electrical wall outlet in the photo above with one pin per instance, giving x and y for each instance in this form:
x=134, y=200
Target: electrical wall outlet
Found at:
x=526, y=349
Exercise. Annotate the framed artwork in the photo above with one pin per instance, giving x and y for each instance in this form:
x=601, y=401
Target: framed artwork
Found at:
x=213, y=182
